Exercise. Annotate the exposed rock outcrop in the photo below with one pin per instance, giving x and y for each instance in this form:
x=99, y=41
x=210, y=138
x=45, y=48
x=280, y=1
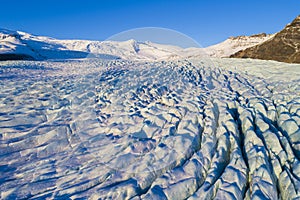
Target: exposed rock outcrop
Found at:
x=284, y=46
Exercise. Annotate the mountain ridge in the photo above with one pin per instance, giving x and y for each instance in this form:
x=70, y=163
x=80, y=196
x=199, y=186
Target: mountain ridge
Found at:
x=283, y=47
x=26, y=46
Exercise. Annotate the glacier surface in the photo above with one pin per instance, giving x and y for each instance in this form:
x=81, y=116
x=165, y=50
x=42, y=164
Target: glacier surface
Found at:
x=101, y=129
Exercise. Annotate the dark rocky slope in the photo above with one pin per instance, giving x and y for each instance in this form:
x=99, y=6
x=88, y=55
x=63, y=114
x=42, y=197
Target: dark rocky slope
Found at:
x=284, y=46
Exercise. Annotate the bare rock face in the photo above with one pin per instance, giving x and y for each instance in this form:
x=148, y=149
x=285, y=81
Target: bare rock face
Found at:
x=284, y=46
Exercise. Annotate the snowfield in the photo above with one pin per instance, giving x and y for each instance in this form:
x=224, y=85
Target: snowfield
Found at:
x=116, y=129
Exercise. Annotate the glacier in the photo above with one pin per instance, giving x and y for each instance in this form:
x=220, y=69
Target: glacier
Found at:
x=178, y=129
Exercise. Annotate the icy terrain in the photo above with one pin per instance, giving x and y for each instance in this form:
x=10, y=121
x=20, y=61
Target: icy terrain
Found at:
x=200, y=129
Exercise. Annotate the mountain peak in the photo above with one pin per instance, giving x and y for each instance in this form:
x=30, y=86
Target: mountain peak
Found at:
x=295, y=22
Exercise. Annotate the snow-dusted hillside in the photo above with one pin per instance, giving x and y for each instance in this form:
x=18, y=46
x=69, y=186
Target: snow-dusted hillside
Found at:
x=34, y=47
x=92, y=129
x=43, y=48
x=235, y=44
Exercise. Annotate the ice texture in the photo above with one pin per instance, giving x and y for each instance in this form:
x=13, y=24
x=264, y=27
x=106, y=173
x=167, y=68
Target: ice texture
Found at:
x=101, y=129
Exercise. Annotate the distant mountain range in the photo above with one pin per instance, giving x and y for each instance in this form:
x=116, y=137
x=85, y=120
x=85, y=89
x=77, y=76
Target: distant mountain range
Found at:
x=16, y=45
x=282, y=46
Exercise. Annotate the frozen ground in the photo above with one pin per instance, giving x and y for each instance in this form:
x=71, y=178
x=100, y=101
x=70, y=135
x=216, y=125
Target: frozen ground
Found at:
x=212, y=129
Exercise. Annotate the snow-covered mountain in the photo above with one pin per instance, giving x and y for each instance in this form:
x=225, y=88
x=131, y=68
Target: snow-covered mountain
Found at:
x=235, y=44
x=23, y=46
x=20, y=45
x=17, y=45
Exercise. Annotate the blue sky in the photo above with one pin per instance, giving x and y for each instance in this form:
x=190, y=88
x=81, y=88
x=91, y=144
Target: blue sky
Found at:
x=206, y=21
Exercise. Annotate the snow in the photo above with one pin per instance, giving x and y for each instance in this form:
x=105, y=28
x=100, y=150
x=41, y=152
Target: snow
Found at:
x=131, y=129
x=235, y=44
x=43, y=48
